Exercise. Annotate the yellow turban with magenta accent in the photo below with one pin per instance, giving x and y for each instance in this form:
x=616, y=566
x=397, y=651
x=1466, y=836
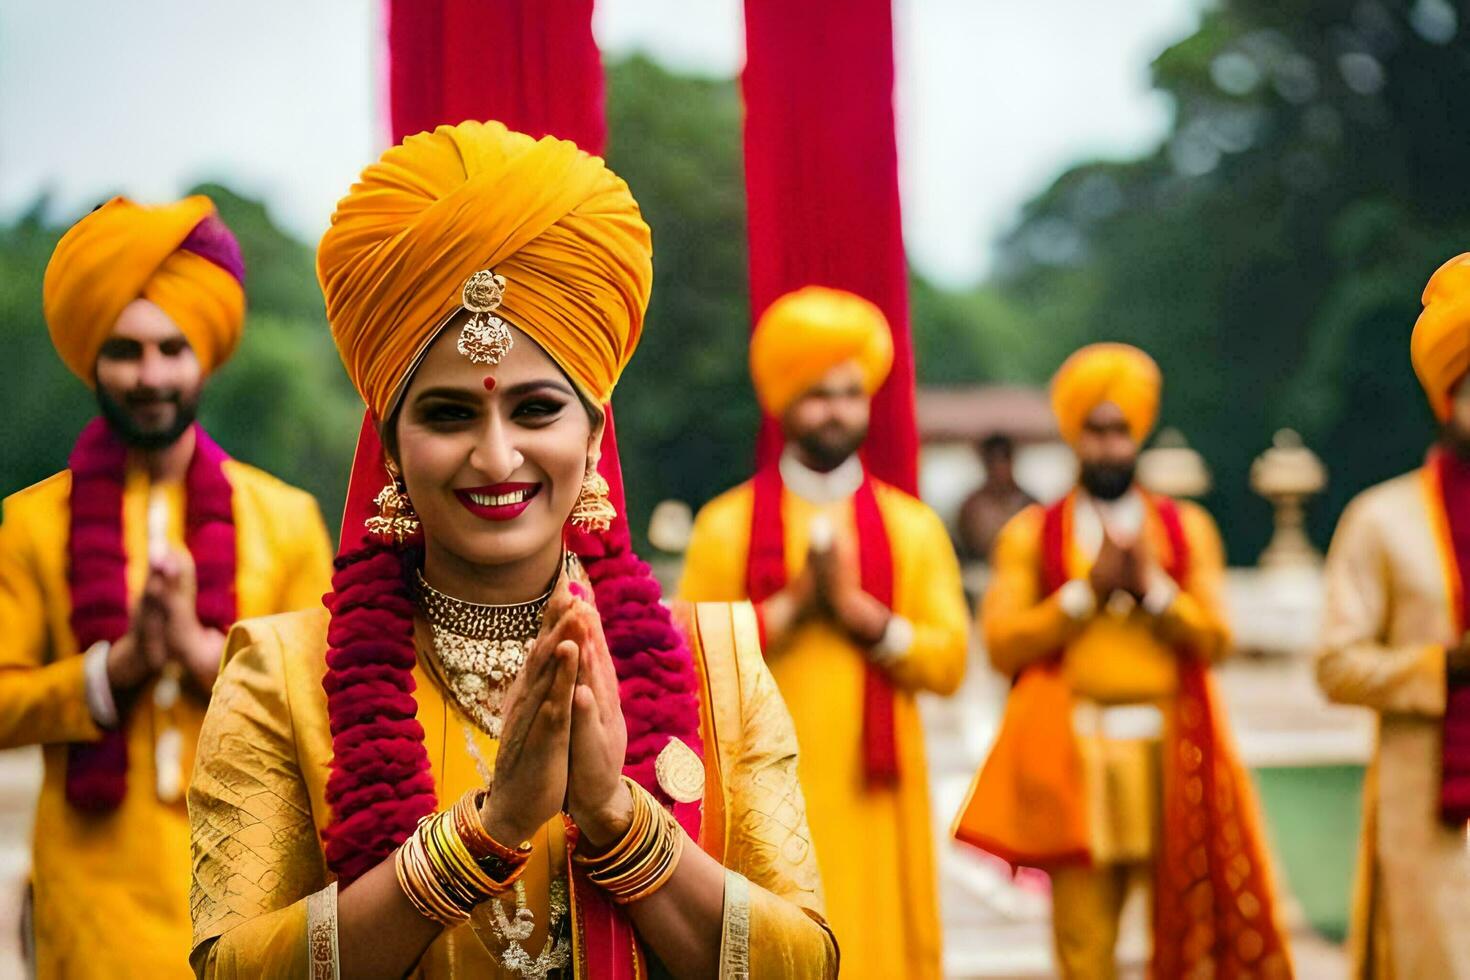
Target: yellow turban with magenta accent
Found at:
x=1100, y=373
x=1440, y=345
x=561, y=228
x=180, y=256
x=806, y=333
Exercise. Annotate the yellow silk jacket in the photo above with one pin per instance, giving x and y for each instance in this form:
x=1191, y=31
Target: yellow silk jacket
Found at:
x=257, y=805
x=111, y=890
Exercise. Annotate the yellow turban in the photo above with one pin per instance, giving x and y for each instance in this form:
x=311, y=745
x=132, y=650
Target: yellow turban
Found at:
x=807, y=333
x=1099, y=373
x=1440, y=346
x=561, y=228
x=180, y=256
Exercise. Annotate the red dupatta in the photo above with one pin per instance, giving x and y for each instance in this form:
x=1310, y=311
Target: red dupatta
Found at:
x=765, y=574
x=1447, y=490
x=1214, y=908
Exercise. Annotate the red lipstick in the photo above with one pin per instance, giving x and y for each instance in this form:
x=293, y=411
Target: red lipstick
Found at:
x=500, y=501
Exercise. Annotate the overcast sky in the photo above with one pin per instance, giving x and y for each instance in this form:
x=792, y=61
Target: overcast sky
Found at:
x=283, y=99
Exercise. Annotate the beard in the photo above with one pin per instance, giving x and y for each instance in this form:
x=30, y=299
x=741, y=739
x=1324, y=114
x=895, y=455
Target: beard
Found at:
x=137, y=435
x=1107, y=481
x=830, y=446
x=1456, y=440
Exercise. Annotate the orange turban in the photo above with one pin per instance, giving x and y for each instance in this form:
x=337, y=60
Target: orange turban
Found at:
x=1099, y=373
x=1440, y=346
x=561, y=228
x=180, y=256
x=807, y=333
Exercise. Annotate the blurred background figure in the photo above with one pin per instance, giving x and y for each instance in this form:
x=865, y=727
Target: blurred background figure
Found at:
x=858, y=593
x=1106, y=609
x=1395, y=640
x=997, y=500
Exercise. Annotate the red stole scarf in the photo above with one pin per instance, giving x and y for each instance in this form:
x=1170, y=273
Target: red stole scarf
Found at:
x=96, y=772
x=1213, y=903
x=765, y=575
x=1449, y=487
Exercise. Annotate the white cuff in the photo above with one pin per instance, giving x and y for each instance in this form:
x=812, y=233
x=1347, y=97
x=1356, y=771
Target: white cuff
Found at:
x=1077, y=599
x=100, y=701
x=895, y=643
x=1160, y=596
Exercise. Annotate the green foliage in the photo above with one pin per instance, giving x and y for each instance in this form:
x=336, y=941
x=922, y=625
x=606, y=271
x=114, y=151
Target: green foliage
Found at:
x=686, y=414
x=1271, y=253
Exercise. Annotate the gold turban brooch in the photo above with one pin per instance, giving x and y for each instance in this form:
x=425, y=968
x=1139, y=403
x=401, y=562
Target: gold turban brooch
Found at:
x=475, y=216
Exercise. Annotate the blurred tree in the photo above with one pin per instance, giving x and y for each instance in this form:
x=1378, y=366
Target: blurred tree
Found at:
x=1271, y=253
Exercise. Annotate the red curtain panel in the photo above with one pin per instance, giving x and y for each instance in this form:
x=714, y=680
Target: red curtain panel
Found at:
x=821, y=179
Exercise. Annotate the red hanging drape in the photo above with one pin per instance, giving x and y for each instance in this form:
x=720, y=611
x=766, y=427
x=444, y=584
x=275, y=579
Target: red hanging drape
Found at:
x=533, y=66
x=821, y=179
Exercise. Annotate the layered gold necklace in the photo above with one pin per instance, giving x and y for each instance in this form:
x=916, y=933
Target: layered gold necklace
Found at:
x=480, y=647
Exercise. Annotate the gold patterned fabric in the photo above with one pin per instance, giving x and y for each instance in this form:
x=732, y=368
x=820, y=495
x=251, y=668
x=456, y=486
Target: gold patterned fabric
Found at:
x=257, y=805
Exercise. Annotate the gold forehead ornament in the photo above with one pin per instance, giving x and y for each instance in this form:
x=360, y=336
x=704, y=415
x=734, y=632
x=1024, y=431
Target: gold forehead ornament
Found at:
x=486, y=338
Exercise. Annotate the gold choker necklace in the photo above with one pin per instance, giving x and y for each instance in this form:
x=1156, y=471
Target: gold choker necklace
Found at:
x=480, y=647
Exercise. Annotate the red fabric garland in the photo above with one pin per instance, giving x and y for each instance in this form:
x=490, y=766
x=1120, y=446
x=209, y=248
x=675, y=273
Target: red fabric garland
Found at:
x=821, y=184
x=96, y=772
x=765, y=575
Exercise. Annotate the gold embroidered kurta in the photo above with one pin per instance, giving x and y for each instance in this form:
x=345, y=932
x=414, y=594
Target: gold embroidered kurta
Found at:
x=1387, y=623
x=111, y=890
x=258, y=804
x=875, y=845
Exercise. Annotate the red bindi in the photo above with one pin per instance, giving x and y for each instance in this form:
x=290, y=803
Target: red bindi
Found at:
x=489, y=383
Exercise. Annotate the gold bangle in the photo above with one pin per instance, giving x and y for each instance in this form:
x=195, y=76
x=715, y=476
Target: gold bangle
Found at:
x=477, y=839
x=646, y=857
x=637, y=828
x=418, y=887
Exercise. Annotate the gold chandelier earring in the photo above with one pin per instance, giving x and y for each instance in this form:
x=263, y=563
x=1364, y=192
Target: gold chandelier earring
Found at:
x=395, y=521
x=594, y=510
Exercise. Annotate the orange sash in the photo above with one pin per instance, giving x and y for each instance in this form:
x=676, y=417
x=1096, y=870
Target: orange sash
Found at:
x=1214, y=906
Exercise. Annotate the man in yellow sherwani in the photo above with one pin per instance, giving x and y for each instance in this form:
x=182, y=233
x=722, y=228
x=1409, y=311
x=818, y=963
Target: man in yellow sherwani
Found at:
x=859, y=595
x=120, y=574
x=1106, y=609
x=1394, y=640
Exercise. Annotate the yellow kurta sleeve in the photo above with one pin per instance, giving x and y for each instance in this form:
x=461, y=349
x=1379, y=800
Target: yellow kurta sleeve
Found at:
x=309, y=575
x=715, y=564
x=931, y=597
x=1355, y=664
x=1196, y=619
x=1021, y=627
x=256, y=855
x=39, y=702
x=769, y=842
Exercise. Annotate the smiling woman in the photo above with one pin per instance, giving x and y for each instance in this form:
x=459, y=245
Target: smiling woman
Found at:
x=498, y=467
x=498, y=755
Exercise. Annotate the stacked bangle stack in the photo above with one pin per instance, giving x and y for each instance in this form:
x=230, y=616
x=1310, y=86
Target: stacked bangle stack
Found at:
x=450, y=864
x=644, y=860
